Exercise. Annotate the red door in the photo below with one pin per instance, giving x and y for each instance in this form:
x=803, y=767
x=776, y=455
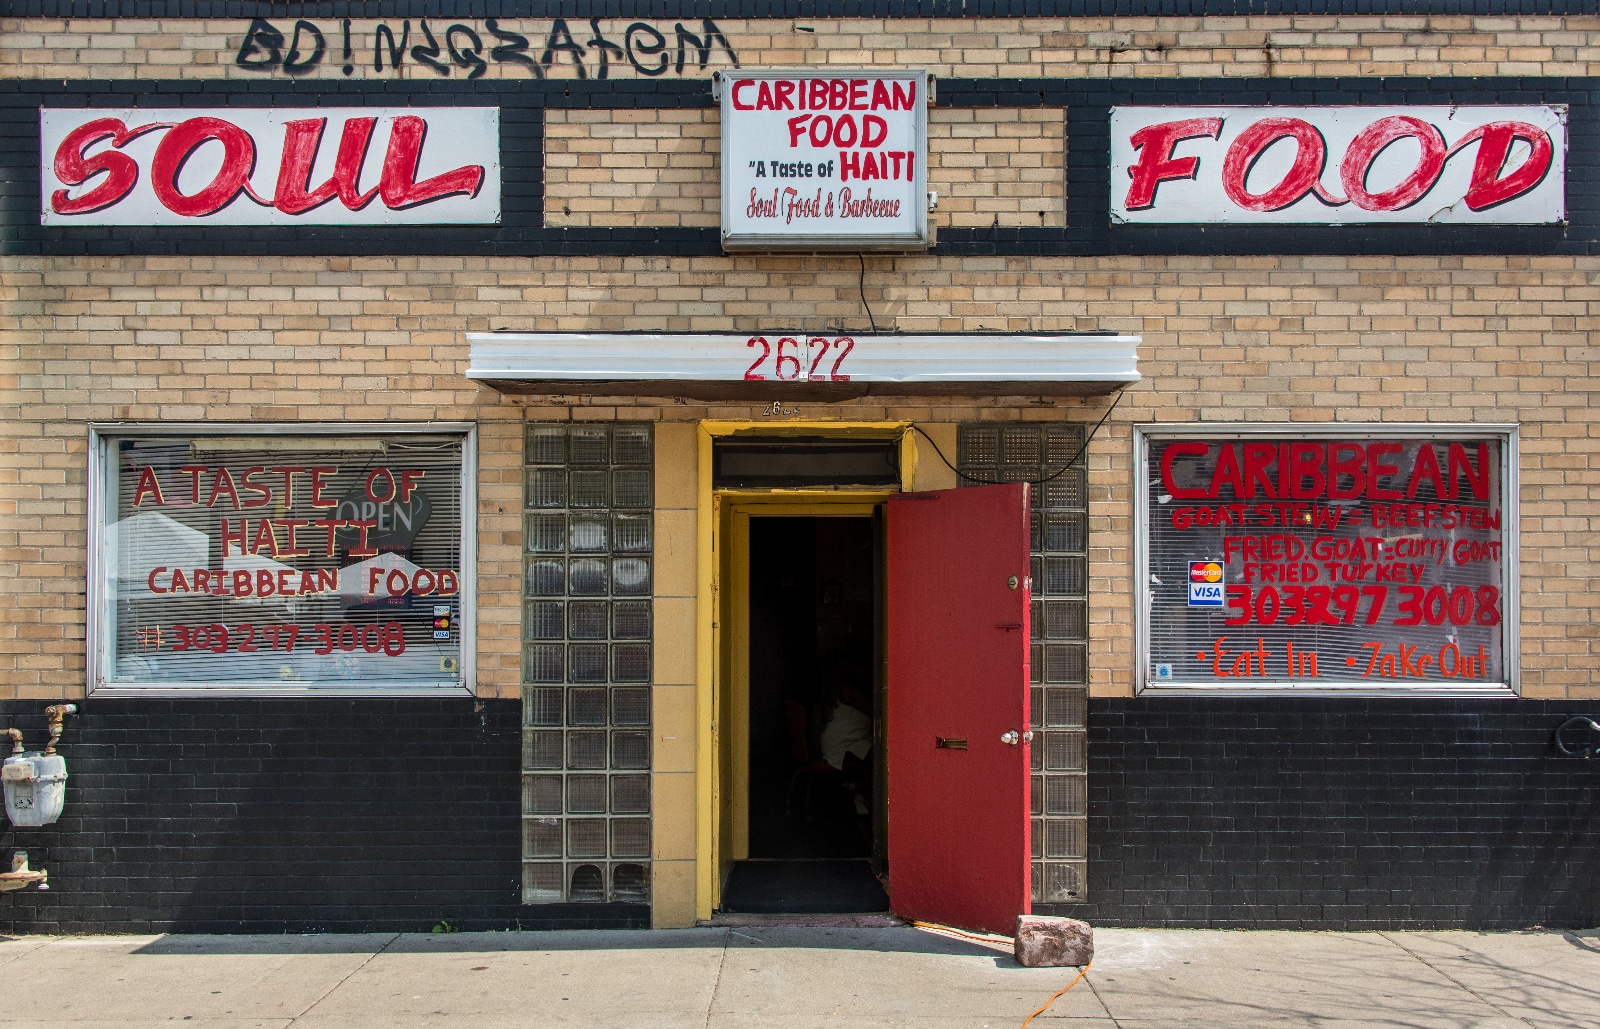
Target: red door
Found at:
x=958, y=685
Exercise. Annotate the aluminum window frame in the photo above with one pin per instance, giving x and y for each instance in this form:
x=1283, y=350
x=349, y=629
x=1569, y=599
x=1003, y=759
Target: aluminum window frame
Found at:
x=1510, y=570
x=101, y=463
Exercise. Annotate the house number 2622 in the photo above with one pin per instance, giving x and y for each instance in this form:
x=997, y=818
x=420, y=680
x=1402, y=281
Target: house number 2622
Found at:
x=814, y=359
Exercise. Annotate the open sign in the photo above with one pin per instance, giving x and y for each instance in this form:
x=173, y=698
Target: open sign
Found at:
x=1339, y=165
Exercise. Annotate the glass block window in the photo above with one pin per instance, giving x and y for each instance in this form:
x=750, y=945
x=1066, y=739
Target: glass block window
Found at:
x=588, y=546
x=1059, y=660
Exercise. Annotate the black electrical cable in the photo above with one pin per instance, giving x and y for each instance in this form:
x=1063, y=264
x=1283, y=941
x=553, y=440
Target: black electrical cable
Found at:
x=1572, y=723
x=1033, y=482
x=862, y=285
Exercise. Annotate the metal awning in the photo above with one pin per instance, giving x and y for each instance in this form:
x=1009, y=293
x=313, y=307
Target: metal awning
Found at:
x=727, y=366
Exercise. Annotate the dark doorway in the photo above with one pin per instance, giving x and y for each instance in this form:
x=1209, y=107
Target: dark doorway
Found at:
x=815, y=740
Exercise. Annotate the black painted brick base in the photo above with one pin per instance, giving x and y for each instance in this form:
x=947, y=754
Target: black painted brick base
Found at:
x=284, y=816
x=1339, y=814
x=394, y=815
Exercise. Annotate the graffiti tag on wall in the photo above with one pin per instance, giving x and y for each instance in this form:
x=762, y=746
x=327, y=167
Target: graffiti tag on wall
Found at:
x=468, y=49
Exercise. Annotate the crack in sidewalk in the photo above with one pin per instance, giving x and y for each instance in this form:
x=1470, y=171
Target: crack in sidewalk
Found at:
x=329, y=991
x=716, y=984
x=22, y=952
x=1469, y=991
x=1089, y=982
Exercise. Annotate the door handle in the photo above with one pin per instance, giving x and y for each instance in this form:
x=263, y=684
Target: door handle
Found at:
x=1011, y=737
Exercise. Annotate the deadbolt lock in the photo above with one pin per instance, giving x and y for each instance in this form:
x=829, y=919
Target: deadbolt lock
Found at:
x=1026, y=582
x=1011, y=583
x=1011, y=737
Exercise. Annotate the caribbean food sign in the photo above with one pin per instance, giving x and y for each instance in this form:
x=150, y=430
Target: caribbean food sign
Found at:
x=280, y=564
x=824, y=159
x=278, y=166
x=1339, y=165
x=1330, y=560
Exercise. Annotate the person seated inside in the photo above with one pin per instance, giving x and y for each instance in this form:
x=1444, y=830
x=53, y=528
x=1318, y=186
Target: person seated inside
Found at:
x=846, y=742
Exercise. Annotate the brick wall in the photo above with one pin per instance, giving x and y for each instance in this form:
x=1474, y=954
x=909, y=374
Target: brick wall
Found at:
x=284, y=816
x=1082, y=47
x=992, y=166
x=1331, y=813
x=324, y=816
x=1357, y=339
x=1323, y=325
x=632, y=167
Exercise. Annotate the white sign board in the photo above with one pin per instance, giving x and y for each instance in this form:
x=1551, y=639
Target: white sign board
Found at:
x=1339, y=165
x=824, y=159
x=279, y=166
x=1030, y=363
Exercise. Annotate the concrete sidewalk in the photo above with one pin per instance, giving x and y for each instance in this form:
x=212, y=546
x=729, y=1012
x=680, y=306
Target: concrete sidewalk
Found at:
x=815, y=978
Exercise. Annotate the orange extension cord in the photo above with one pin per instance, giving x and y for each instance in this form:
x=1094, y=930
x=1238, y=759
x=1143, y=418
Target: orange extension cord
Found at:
x=1081, y=973
x=996, y=938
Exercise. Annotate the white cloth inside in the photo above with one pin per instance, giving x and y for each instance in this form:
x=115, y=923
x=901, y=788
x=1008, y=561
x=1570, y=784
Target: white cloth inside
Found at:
x=848, y=731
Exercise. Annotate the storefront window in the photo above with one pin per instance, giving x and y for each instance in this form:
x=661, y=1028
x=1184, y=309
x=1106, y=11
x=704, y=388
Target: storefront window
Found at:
x=1330, y=559
x=281, y=560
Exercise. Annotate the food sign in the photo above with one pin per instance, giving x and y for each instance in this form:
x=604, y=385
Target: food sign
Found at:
x=280, y=564
x=1327, y=561
x=1339, y=165
x=824, y=160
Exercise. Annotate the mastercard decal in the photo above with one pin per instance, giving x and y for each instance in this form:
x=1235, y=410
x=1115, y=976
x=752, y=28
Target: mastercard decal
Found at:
x=1205, y=584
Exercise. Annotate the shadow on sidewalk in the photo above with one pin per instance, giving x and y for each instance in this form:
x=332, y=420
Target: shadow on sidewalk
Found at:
x=899, y=939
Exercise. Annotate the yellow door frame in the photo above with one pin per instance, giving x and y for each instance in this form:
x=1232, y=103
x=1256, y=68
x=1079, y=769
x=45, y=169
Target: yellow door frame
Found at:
x=718, y=687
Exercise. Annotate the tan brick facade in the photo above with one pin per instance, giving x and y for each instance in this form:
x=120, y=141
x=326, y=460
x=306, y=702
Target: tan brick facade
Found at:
x=1381, y=339
x=1280, y=46
x=1001, y=166
x=1360, y=340
x=613, y=167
